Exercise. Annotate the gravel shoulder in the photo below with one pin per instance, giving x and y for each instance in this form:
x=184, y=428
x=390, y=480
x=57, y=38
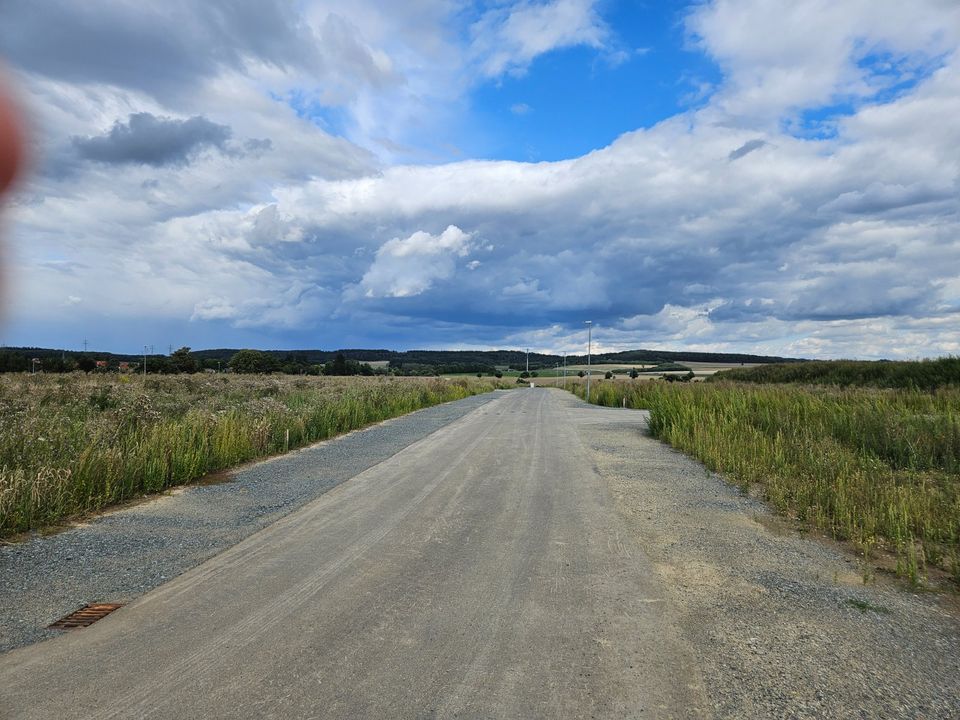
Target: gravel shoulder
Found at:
x=122, y=554
x=781, y=625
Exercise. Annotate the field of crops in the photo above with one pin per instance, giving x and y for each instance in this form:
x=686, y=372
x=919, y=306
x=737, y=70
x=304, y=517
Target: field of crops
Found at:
x=878, y=467
x=72, y=444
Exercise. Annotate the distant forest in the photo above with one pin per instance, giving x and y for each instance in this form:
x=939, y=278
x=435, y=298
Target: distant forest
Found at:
x=338, y=362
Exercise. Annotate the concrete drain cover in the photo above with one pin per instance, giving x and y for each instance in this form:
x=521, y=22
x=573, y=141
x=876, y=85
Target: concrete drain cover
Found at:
x=85, y=616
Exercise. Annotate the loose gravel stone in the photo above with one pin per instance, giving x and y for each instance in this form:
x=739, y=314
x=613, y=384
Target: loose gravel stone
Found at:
x=122, y=554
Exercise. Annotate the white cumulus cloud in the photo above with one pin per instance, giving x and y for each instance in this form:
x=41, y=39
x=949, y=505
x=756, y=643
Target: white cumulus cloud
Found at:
x=408, y=267
x=508, y=38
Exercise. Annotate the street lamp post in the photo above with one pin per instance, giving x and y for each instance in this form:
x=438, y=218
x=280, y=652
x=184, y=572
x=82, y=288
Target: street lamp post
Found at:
x=589, y=344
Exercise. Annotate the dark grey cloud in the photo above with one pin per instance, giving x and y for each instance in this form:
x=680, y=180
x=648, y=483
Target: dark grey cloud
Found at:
x=880, y=198
x=747, y=148
x=146, y=139
x=160, y=48
x=862, y=293
x=168, y=48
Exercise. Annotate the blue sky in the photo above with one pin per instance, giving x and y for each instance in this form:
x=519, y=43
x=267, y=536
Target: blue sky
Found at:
x=732, y=175
x=575, y=100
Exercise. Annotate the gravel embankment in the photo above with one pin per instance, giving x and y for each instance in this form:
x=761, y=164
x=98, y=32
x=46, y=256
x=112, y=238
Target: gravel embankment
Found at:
x=782, y=625
x=124, y=553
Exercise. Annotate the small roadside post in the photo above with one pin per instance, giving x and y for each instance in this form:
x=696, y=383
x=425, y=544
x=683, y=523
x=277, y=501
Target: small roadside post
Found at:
x=589, y=344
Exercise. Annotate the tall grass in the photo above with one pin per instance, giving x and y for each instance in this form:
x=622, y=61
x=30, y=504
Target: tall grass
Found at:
x=74, y=444
x=923, y=375
x=878, y=467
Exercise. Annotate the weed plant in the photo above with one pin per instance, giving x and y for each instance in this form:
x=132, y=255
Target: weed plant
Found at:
x=878, y=467
x=72, y=444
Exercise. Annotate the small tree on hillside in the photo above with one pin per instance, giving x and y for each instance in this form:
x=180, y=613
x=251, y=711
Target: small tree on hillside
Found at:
x=337, y=366
x=182, y=361
x=86, y=363
x=251, y=361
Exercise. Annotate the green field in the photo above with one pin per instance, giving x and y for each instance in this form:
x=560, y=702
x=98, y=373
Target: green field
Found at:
x=73, y=444
x=878, y=467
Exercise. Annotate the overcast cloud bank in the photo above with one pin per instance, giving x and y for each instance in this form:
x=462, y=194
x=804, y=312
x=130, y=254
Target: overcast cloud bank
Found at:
x=191, y=186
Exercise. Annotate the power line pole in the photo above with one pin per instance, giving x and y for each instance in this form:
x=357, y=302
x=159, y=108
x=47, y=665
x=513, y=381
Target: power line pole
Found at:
x=84, y=344
x=589, y=346
x=564, y=371
x=144, y=360
x=528, y=360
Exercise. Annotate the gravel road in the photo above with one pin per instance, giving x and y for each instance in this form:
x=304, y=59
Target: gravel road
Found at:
x=536, y=557
x=123, y=554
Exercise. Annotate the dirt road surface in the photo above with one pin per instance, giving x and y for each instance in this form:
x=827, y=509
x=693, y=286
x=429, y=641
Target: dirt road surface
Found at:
x=535, y=558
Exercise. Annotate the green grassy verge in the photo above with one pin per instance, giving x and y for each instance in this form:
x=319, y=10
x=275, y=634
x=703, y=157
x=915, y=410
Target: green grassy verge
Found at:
x=878, y=467
x=923, y=375
x=73, y=444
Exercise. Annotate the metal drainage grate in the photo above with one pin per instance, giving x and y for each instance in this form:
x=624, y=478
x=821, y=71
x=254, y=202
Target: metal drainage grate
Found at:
x=85, y=616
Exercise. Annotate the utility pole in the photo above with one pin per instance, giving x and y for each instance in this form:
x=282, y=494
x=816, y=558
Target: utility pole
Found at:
x=84, y=344
x=589, y=345
x=528, y=360
x=564, y=371
x=144, y=360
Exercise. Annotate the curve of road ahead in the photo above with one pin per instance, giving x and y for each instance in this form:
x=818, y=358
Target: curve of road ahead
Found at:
x=481, y=572
x=536, y=558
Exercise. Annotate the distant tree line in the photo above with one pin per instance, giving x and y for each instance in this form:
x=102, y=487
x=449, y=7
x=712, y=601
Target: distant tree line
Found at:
x=258, y=361
x=333, y=362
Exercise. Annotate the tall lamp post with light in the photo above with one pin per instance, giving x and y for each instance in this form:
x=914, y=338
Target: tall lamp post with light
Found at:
x=589, y=344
